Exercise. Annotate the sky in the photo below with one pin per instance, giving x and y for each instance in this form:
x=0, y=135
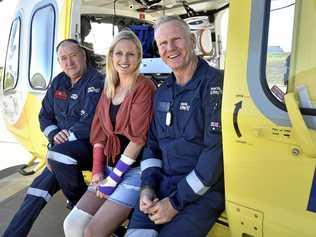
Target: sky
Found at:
x=281, y=21
x=6, y=13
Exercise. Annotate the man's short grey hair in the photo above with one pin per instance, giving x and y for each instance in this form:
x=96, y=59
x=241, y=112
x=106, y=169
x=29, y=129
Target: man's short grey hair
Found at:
x=164, y=19
x=74, y=42
x=65, y=41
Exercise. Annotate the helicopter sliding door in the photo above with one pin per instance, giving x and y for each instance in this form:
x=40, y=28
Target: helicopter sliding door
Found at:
x=269, y=119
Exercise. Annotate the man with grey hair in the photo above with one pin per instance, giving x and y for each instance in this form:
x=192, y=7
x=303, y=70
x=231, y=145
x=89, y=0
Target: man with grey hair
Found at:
x=65, y=119
x=182, y=168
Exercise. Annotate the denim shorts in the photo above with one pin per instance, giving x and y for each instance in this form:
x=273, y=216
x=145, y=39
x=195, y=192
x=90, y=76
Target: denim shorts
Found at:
x=127, y=191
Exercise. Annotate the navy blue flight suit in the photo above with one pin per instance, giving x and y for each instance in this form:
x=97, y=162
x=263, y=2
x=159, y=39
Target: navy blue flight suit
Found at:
x=183, y=161
x=63, y=107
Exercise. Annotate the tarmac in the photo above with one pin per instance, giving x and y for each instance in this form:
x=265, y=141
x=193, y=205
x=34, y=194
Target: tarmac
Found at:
x=13, y=186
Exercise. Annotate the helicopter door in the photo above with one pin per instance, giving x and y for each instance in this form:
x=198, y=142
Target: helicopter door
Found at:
x=269, y=122
x=13, y=97
x=42, y=60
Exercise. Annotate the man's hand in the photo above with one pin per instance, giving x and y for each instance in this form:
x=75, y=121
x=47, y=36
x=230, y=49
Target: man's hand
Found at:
x=61, y=137
x=147, y=200
x=162, y=212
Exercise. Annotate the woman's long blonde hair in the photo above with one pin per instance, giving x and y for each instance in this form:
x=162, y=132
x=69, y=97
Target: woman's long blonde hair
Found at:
x=112, y=79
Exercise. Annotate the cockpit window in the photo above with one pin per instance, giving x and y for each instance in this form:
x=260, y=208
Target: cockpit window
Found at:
x=11, y=69
x=42, y=47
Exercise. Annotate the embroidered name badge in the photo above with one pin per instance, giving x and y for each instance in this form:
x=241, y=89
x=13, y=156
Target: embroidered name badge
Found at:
x=74, y=96
x=184, y=106
x=93, y=89
x=163, y=106
x=61, y=95
x=216, y=90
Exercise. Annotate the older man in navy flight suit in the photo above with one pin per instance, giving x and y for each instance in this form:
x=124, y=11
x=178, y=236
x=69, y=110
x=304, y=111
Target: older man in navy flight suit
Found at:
x=182, y=168
x=65, y=118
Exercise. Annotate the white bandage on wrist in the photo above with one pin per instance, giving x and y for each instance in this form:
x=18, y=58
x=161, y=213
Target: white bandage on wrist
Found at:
x=127, y=160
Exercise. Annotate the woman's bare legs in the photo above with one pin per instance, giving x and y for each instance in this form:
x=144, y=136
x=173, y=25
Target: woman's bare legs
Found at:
x=107, y=219
x=90, y=203
x=80, y=216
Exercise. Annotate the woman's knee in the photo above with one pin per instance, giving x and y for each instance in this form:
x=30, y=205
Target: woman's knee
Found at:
x=88, y=231
x=76, y=222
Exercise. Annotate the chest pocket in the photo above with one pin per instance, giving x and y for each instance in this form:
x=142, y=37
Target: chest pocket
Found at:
x=188, y=114
x=61, y=99
x=161, y=112
x=75, y=104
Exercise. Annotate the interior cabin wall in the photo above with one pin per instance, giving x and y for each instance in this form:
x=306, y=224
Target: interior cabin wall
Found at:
x=97, y=31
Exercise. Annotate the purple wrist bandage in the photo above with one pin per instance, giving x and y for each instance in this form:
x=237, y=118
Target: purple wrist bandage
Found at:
x=107, y=190
x=115, y=177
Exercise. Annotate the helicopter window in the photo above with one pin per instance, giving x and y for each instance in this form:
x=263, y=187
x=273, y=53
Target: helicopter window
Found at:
x=11, y=69
x=42, y=47
x=280, y=34
x=96, y=37
x=100, y=37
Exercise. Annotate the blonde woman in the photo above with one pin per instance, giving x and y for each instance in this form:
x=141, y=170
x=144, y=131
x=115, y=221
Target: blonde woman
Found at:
x=118, y=135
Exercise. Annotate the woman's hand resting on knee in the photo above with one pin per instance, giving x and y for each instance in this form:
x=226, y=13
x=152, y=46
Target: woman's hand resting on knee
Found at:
x=100, y=194
x=96, y=180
